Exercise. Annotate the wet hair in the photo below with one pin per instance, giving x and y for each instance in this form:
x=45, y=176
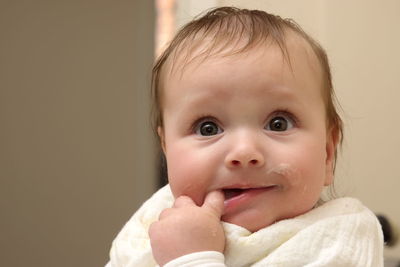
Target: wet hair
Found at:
x=240, y=30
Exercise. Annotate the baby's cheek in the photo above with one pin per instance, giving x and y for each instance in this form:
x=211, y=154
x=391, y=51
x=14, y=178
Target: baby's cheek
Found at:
x=303, y=167
x=188, y=175
x=309, y=156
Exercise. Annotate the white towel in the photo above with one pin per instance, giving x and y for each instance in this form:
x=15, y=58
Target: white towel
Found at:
x=341, y=232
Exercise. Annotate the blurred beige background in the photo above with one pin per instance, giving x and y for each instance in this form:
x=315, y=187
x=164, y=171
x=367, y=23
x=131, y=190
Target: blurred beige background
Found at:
x=76, y=151
x=362, y=39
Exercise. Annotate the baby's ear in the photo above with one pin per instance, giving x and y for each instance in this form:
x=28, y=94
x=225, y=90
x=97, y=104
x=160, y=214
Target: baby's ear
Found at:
x=332, y=139
x=160, y=132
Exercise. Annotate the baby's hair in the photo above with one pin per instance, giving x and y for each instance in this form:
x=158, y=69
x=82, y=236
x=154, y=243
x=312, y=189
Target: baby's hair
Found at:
x=239, y=30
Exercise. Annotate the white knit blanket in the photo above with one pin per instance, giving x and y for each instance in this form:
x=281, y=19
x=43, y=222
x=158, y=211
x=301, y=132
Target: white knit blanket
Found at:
x=341, y=232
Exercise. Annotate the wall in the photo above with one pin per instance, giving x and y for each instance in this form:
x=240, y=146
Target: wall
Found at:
x=76, y=154
x=366, y=60
x=362, y=40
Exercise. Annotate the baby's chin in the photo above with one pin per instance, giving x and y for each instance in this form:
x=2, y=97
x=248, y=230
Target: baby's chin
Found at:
x=254, y=220
x=251, y=223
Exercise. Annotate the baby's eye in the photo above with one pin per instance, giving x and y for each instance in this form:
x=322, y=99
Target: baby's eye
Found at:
x=208, y=128
x=279, y=124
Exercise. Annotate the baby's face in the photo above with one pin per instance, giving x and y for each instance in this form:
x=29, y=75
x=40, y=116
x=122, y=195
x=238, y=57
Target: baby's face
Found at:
x=253, y=127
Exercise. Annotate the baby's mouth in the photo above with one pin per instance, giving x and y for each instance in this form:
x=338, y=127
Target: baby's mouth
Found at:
x=233, y=192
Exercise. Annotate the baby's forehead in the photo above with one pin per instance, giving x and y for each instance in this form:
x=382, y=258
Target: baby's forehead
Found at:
x=204, y=48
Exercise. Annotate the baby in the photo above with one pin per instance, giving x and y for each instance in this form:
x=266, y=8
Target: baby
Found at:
x=244, y=108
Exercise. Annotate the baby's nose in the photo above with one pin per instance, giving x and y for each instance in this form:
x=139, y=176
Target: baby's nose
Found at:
x=245, y=157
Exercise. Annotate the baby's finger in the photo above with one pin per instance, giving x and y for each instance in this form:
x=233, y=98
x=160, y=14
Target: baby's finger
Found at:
x=165, y=213
x=215, y=202
x=183, y=201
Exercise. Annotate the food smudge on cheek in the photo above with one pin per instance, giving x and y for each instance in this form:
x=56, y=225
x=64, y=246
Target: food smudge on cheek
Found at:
x=305, y=189
x=285, y=170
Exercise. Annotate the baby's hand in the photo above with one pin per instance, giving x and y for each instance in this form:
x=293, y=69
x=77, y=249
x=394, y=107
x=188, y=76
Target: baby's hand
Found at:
x=186, y=228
